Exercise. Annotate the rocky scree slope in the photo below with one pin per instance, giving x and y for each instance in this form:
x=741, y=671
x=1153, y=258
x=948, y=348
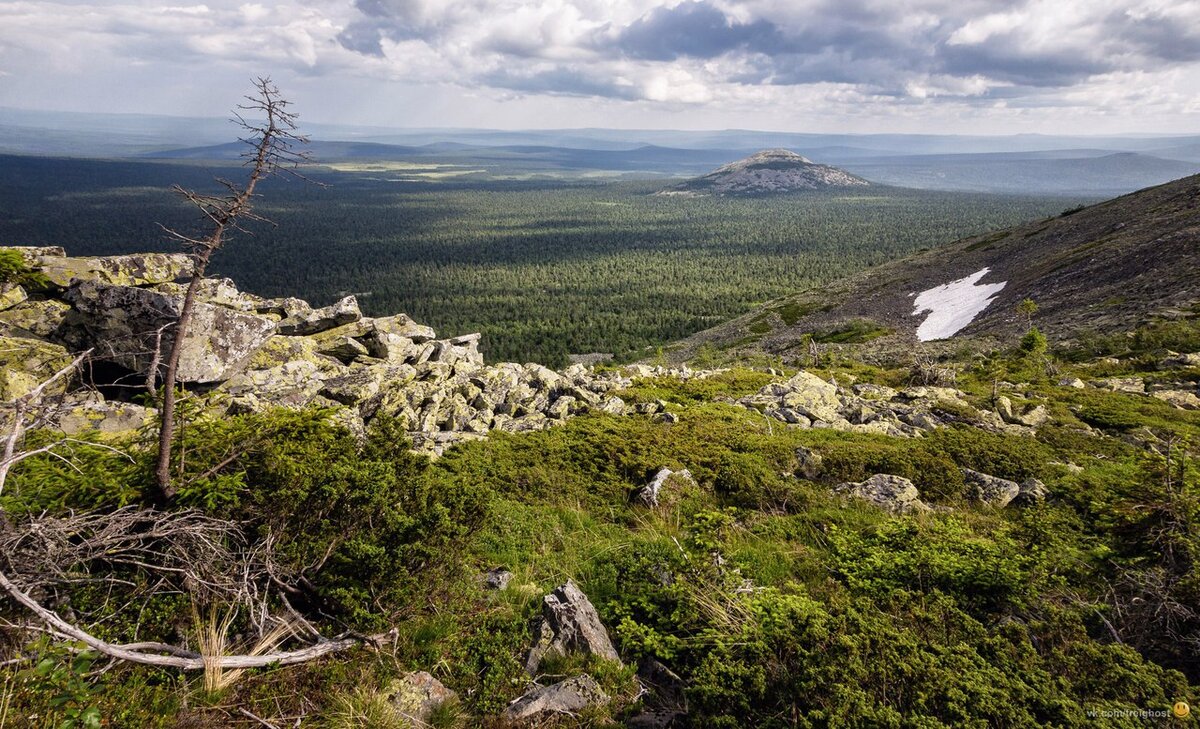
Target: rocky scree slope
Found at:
x=245, y=353
x=1108, y=267
x=767, y=172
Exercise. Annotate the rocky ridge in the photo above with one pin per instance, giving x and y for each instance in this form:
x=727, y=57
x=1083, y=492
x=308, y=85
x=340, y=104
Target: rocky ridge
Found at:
x=247, y=353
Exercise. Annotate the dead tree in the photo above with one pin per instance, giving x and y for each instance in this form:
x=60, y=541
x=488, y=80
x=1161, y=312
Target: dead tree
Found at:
x=273, y=149
x=197, y=553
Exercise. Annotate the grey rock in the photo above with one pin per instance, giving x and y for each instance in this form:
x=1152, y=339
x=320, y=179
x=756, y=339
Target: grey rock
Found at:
x=312, y=321
x=1032, y=491
x=38, y=319
x=95, y=414
x=990, y=489
x=497, y=579
x=808, y=463
x=564, y=697
x=1134, y=385
x=1182, y=399
x=893, y=493
x=121, y=322
x=569, y=625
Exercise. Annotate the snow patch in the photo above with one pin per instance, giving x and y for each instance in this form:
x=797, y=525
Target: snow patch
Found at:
x=954, y=305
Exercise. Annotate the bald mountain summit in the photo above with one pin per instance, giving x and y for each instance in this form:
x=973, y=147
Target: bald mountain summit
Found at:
x=1090, y=271
x=771, y=171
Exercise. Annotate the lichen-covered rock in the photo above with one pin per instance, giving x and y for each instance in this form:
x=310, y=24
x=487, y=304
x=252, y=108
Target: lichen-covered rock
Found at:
x=34, y=319
x=569, y=625
x=990, y=489
x=219, y=291
x=497, y=579
x=11, y=295
x=95, y=414
x=310, y=321
x=564, y=697
x=416, y=695
x=32, y=254
x=808, y=463
x=26, y=363
x=122, y=321
x=139, y=269
x=1173, y=360
x=292, y=384
x=893, y=493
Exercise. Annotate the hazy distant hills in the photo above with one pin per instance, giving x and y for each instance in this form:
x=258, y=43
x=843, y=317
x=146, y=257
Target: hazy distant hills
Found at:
x=1027, y=163
x=1104, y=268
x=1109, y=173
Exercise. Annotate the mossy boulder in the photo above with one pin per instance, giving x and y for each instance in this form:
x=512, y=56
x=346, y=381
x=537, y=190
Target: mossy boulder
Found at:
x=140, y=269
x=34, y=319
x=26, y=363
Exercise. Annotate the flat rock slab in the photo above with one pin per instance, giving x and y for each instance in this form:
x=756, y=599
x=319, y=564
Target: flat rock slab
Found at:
x=141, y=269
x=564, y=697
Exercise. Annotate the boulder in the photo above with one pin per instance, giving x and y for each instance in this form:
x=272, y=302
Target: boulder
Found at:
x=219, y=291
x=140, y=269
x=310, y=321
x=11, y=295
x=416, y=695
x=569, y=625
x=396, y=339
x=497, y=579
x=1031, y=491
x=564, y=697
x=1182, y=399
x=26, y=363
x=40, y=319
x=122, y=321
x=812, y=397
x=292, y=384
x=1073, y=382
x=95, y=414
x=893, y=493
x=990, y=489
x=1134, y=385
x=808, y=463
x=650, y=494
x=1034, y=417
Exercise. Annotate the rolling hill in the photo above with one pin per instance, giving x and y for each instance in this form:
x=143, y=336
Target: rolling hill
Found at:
x=1103, y=268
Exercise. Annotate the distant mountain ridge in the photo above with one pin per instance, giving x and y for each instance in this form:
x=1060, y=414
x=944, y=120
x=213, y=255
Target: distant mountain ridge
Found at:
x=767, y=172
x=1105, y=268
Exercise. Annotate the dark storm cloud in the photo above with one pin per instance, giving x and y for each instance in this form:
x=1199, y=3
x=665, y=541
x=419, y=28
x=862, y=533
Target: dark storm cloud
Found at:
x=697, y=30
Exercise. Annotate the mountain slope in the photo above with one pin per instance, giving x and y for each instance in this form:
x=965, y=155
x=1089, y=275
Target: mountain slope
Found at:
x=769, y=171
x=1103, y=268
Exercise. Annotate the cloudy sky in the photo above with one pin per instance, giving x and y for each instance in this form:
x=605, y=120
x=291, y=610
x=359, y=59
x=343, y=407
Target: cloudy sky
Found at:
x=989, y=66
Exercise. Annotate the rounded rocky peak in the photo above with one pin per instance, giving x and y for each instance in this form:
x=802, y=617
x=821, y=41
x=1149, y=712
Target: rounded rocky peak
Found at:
x=779, y=155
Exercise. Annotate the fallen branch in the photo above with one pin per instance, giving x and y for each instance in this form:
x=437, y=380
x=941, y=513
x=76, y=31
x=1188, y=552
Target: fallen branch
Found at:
x=138, y=652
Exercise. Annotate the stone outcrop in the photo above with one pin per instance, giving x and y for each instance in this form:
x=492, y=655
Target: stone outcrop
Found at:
x=569, y=625
x=245, y=353
x=893, y=493
x=25, y=363
x=140, y=269
x=807, y=401
x=564, y=697
x=122, y=322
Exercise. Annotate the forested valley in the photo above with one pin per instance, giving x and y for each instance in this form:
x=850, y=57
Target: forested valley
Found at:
x=543, y=268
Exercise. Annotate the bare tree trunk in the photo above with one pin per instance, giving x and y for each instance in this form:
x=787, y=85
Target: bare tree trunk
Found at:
x=271, y=152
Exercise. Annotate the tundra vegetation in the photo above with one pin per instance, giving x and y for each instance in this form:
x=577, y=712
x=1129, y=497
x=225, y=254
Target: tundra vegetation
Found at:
x=998, y=539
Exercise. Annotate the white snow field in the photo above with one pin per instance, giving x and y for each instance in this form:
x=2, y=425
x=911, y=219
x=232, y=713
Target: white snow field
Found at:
x=954, y=305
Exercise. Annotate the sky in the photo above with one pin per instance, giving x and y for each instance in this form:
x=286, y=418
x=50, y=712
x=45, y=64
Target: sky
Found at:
x=934, y=66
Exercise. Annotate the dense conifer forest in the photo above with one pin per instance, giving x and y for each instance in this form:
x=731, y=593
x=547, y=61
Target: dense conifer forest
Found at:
x=544, y=268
